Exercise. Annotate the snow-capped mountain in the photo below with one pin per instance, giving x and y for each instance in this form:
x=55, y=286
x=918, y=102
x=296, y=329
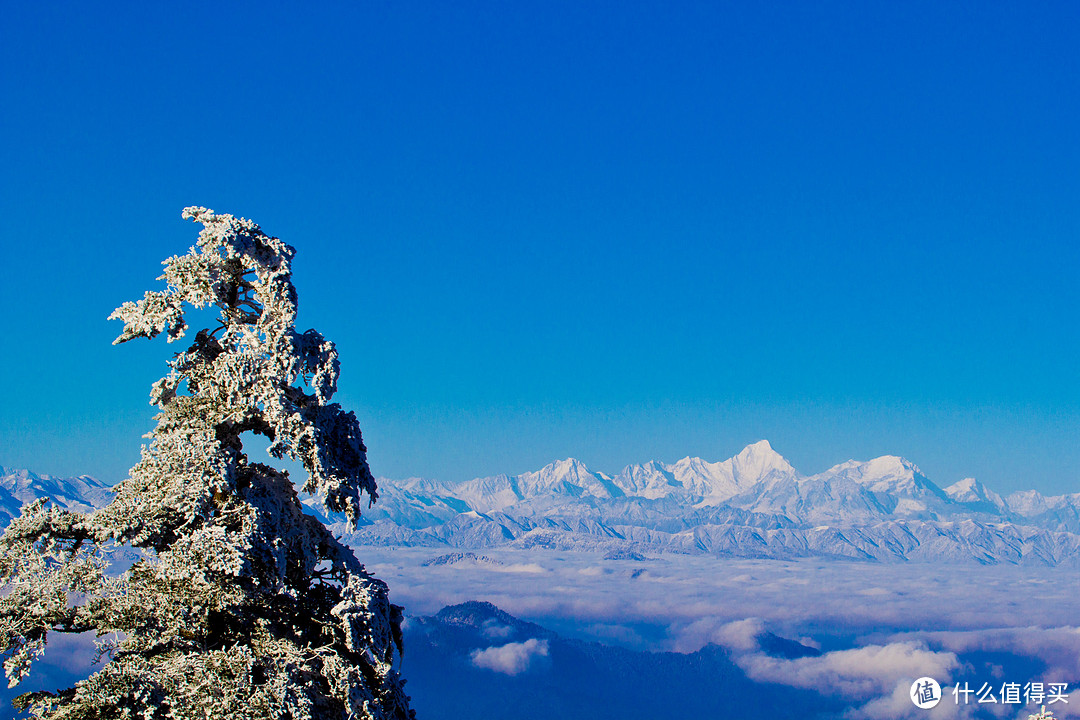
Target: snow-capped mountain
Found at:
x=19, y=487
x=1058, y=511
x=701, y=483
x=977, y=496
x=754, y=504
x=758, y=481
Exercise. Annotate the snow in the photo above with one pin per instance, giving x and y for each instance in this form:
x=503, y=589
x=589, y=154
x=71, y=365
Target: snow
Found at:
x=754, y=504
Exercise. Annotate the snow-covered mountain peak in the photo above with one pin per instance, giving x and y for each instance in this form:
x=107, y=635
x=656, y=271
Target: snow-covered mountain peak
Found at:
x=691, y=463
x=898, y=484
x=568, y=470
x=967, y=490
x=702, y=479
x=892, y=465
x=887, y=471
x=758, y=460
x=715, y=483
x=965, y=485
x=651, y=480
x=570, y=466
x=761, y=446
x=566, y=477
x=972, y=492
x=81, y=494
x=752, y=504
x=1028, y=502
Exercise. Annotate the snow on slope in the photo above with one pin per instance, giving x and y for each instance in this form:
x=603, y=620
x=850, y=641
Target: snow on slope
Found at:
x=754, y=504
x=19, y=487
x=703, y=483
x=977, y=496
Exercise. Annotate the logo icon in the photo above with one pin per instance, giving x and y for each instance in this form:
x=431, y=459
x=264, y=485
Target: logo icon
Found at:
x=925, y=693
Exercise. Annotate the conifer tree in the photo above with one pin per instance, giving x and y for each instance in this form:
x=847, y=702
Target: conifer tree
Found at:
x=241, y=606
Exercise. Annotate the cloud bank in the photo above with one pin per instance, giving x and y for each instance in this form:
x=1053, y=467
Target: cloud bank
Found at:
x=512, y=658
x=690, y=597
x=878, y=627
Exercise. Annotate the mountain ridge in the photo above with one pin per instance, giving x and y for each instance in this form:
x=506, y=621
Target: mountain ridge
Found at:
x=753, y=504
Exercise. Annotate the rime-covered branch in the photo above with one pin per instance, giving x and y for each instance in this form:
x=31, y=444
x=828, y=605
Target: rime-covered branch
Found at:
x=243, y=606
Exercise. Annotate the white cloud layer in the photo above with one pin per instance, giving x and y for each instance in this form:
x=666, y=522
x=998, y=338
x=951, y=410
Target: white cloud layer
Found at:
x=858, y=673
x=1058, y=647
x=512, y=658
x=882, y=626
x=738, y=635
x=897, y=705
x=792, y=598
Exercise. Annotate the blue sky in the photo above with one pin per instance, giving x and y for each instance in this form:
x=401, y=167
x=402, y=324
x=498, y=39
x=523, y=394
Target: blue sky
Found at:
x=617, y=231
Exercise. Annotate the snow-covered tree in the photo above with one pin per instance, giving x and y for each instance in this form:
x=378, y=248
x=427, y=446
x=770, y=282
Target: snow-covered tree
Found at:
x=242, y=605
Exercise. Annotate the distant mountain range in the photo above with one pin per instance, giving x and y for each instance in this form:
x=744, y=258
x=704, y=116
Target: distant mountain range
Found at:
x=20, y=487
x=474, y=660
x=754, y=504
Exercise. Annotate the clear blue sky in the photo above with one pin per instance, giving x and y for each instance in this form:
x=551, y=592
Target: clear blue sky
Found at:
x=618, y=231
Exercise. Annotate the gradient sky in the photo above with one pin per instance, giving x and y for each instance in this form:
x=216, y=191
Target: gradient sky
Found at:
x=615, y=231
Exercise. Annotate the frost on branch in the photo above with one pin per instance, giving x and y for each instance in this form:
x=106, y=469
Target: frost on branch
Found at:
x=242, y=606
x=247, y=368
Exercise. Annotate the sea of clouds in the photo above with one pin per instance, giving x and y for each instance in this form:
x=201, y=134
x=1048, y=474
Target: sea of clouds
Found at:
x=878, y=627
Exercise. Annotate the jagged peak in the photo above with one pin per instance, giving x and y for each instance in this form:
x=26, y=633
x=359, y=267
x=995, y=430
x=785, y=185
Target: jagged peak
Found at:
x=572, y=471
x=761, y=453
x=895, y=461
x=689, y=461
x=15, y=475
x=566, y=465
x=970, y=490
x=652, y=466
x=1026, y=495
x=885, y=465
x=965, y=486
